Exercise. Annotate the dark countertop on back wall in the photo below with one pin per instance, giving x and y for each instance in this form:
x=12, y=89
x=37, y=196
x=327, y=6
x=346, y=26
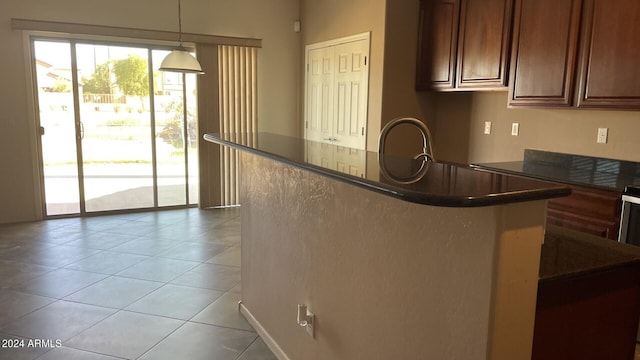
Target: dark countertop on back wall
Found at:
x=443, y=184
x=601, y=173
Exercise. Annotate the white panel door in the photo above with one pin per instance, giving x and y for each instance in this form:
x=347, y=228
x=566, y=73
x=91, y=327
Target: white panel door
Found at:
x=351, y=85
x=319, y=126
x=336, y=91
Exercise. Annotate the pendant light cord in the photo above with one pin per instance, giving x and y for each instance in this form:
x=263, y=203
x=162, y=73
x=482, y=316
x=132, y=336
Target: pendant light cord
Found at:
x=179, y=23
x=180, y=59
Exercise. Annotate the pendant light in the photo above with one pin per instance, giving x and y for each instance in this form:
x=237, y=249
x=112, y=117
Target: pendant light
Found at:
x=180, y=59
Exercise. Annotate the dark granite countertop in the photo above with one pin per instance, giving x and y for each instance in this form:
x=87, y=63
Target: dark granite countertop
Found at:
x=601, y=173
x=568, y=254
x=443, y=184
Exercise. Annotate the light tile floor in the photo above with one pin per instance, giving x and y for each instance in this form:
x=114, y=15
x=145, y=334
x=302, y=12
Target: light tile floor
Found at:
x=158, y=285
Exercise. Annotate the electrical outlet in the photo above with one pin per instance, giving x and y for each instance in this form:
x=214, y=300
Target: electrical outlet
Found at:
x=603, y=134
x=515, y=129
x=487, y=127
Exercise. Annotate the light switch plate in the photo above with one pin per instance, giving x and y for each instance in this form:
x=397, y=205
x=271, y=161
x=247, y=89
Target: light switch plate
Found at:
x=487, y=127
x=515, y=129
x=603, y=134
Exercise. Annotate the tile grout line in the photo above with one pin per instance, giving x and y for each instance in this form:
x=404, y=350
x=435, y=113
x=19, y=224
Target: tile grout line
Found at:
x=247, y=348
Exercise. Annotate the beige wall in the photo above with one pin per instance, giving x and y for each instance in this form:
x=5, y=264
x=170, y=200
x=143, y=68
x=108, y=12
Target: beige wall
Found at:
x=452, y=113
x=399, y=98
x=332, y=19
x=567, y=131
x=394, y=31
x=278, y=60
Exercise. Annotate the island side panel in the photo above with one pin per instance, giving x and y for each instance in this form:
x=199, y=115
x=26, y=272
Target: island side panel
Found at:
x=521, y=229
x=385, y=278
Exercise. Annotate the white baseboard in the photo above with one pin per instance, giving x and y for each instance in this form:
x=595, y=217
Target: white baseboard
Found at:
x=273, y=346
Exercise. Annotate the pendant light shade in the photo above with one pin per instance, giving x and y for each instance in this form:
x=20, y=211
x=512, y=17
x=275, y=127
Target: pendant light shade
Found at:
x=180, y=59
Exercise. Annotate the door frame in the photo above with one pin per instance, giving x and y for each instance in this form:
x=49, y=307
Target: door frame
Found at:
x=329, y=43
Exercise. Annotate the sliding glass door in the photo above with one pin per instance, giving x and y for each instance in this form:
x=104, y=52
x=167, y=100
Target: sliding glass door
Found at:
x=116, y=133
x=58, y=127
x=115, y=127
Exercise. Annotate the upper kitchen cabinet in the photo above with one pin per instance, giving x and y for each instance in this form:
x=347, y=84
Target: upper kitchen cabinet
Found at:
x=483, y=44
x=437, y=41
x=609, y=72
x=576, y=53
x=463, y=44
x=543, y=58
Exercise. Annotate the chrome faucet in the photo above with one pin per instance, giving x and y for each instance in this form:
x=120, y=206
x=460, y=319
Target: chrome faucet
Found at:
x=427, y=150
x=426, y=155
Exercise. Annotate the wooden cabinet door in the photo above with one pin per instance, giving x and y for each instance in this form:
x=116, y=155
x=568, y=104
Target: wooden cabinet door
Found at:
x=437, y=43
x=543, y=57
x=610, y=60
x=483, y=43
x=593, y=315
x=604, y=228
x=588, y=210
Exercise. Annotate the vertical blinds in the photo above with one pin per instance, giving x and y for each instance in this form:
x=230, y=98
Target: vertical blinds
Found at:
x=237, y=68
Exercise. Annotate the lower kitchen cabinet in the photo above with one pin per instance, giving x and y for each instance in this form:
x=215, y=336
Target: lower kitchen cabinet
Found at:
x=588, y=210
x=589, y=317
x=588, y=300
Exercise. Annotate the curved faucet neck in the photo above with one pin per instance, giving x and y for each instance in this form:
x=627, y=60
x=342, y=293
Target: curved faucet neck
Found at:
x=427, y=149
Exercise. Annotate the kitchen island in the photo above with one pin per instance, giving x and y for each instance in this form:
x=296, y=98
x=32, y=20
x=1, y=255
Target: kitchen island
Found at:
x=442, y=267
